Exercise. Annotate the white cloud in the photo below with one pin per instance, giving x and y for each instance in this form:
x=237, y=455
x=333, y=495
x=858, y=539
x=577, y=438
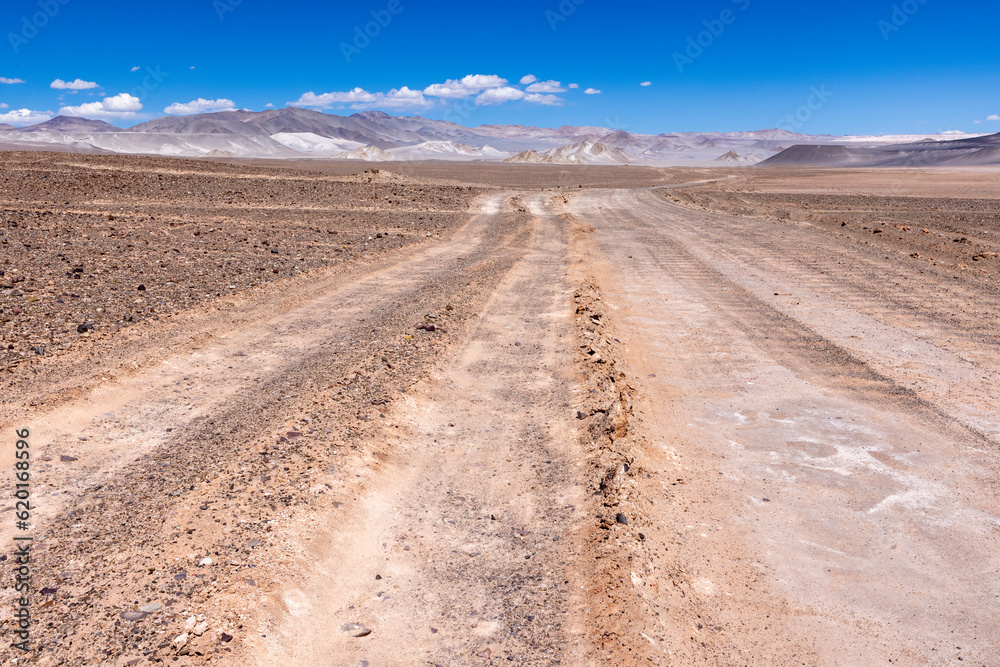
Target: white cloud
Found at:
x=199, y=105
x=993, y=117
x=646, y=84
x=3, y=105
x=4, y=79
x=466, y=86
x=528, y=78
x=360, y=98
x=547, y=100
x=592, y=91
x=488, y=89
x=574, y=85
x=79, y=84
x=268, y=106
x=122, y=105
x=24, y=117
x=135, y=69
x=500, y=95
x=546, y=87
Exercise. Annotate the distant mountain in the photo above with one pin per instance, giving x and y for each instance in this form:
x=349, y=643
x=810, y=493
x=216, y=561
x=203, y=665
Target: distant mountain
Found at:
x=438, y=150
x=966, y=152
x=295, y=132
x=70, y=124
x=583, y=152
x=733, y=156
x=5, y=126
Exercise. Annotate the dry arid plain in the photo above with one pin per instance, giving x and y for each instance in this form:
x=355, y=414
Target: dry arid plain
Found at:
x=317, y=413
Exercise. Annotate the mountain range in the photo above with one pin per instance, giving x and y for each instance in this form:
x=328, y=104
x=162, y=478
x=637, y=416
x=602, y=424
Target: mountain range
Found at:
x=294, y=132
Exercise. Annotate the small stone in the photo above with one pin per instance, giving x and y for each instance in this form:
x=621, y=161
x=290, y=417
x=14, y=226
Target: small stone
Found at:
x=622, y=519
x=141, y=288
x=67, y=459
x=255, y=543
x=200, y=629
x=150, y=608
x=180, y=576
x=206, y=561
x=356, y=629
x=134, y=615
x=181, y=640
x=226, y=638
x=251, y=583
x=48, y=591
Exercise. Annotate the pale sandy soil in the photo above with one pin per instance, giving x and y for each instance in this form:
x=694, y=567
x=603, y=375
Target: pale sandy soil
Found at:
x=691, y=417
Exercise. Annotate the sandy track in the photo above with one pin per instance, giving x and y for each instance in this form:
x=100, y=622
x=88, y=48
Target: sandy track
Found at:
x=828, y=448
x=168, y=472
x=461, y=550
x=121, y=421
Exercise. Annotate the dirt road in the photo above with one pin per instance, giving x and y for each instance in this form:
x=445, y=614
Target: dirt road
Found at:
x=584, y=427
x=827, y=442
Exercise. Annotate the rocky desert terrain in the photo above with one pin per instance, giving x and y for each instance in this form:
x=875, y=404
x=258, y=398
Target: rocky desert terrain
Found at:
x=316, y=413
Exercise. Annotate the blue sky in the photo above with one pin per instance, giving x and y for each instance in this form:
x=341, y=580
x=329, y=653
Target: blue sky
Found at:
x=849, y=67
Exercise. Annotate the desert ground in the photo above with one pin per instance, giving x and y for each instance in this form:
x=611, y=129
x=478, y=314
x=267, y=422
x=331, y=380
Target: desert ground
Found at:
x=315, y=413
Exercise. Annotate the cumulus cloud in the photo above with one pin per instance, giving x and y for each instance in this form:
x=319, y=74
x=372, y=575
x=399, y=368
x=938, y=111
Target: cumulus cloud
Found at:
x=4, y=79
x=993, y=117
x=466, y=86
x=78, y=84
x=268, y=106
x=646, y=84
x=574, y=85
x=200, y=105
x=488, y=89
x=547, y=100
x=135, y=69
x=592, y=91
x=500, y=95
x=528, y=78
x=24, y=117
x=3, y=105
x=546, y=87
x=120, y=106
x=360, y=98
